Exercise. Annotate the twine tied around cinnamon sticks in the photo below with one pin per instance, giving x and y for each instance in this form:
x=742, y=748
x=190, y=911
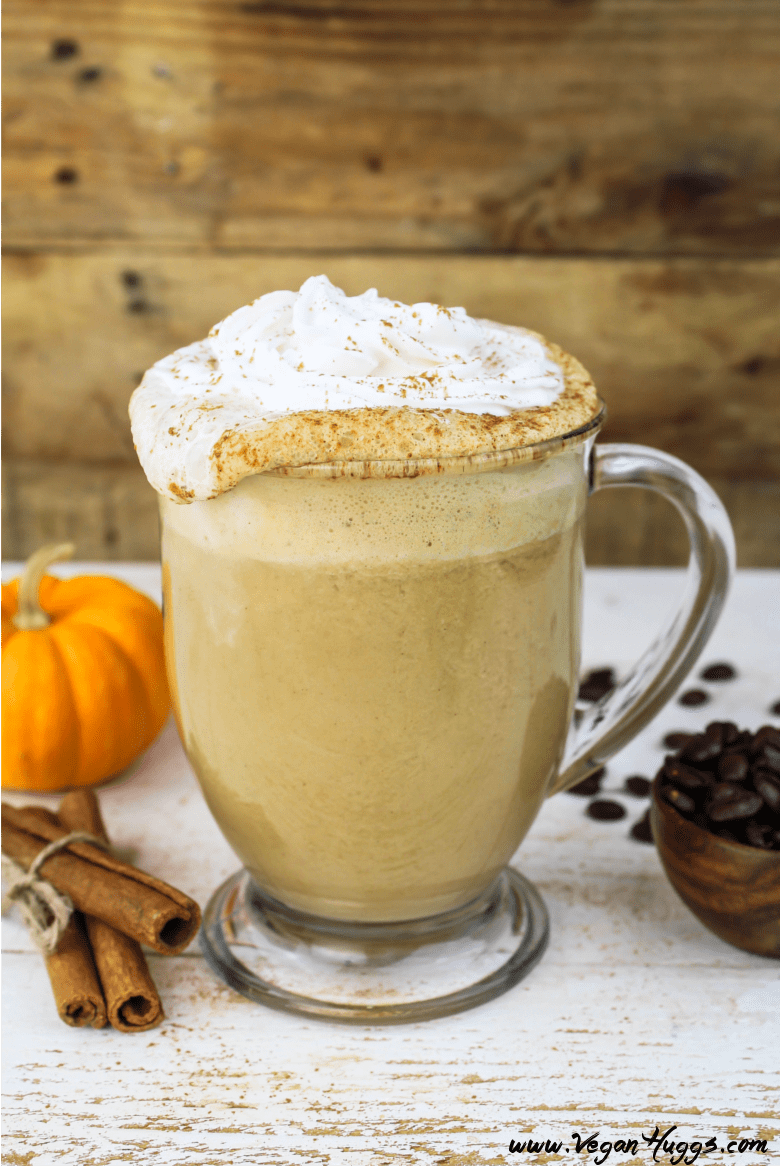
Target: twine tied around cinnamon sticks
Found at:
x=97, y=969
x=46, y=912
x=141, y=906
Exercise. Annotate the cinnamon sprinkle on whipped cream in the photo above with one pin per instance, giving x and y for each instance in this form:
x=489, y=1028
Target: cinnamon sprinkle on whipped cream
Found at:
x=316, y=376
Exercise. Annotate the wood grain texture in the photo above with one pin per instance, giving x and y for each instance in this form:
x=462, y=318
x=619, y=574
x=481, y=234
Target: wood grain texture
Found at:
x=168, y=161
x=579, y=1048
x=732, y=888
x=686, y=352
x=547, y=126
x=109, y=512
x=613, y=1031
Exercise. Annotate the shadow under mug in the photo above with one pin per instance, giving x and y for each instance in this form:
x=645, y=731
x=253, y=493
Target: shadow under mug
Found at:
x=374, y=668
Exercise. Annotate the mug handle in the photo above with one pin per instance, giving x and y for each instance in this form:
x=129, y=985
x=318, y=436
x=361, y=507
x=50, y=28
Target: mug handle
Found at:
x=607, y=726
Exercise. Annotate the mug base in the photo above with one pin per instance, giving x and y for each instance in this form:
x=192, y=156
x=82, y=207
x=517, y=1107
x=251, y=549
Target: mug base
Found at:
x=381, y=973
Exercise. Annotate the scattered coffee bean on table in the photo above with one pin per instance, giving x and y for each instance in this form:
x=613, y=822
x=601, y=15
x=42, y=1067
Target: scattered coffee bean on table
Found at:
x=590, y=785
x=719, y=672
x=638, y=785
x=642, y=830
x=694, y=698
x=676, y=739
x=597, y=684
x=775, y=708
x=605, y=810
x=727, y=781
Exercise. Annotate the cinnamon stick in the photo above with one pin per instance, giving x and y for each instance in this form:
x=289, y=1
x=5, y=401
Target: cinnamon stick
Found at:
x=133, y=902
x=74, y=980
x=132, y=1001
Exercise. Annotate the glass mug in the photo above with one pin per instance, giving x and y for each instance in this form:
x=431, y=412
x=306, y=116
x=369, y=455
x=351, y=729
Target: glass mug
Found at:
x=374, y=668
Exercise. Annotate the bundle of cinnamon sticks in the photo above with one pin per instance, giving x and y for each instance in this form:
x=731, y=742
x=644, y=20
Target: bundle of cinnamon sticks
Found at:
x=98, y=972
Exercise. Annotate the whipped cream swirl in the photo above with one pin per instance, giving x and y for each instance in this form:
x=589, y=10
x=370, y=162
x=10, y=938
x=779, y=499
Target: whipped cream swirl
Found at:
x=319, y=349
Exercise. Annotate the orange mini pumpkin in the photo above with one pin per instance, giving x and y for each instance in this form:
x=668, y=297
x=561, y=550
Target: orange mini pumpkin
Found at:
x=84, y=687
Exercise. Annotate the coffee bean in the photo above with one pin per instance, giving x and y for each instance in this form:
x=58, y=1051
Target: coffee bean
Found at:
x=761, y=763
x=683, y=775
x=732, y=766
x=759, y=835
x=694, y=698
x=605, y=810
x=700, y=749
x=638, y=785
x=726, y=791
x=590, y=785
x=766, y=736
x=775, y=708
x=709, y=782
x=767, y=785
x=679, y=800
x=724, y=733
x=769, y=758
x=730, y=734
x=676, y=739
x=714, y=732
x=642, y=830
x=737, y=809
x=718, y=672
x=597, y=684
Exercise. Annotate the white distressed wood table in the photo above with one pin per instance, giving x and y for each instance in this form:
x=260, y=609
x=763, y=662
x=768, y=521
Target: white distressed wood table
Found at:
x=636, y=1017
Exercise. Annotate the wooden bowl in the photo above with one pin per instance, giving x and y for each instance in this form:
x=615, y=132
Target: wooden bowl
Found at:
x=733, y=889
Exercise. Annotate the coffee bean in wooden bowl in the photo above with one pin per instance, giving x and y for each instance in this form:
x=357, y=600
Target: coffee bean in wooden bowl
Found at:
x=716, y=823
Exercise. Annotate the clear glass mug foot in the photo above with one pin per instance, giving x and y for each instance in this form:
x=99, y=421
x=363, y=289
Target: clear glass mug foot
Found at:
x=385, y=973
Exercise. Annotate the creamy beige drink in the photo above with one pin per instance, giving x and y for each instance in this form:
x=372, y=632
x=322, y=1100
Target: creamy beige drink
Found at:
x=374, y=678
x=374, y=664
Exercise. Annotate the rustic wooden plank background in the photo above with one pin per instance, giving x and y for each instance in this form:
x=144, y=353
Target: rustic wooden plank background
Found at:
x=603, y=170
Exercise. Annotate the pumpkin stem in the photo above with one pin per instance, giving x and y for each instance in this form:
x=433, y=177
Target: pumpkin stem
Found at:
x=29, y=614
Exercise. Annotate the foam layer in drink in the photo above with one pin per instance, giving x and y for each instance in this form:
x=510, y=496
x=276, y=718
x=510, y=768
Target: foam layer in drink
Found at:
x=362, y=521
